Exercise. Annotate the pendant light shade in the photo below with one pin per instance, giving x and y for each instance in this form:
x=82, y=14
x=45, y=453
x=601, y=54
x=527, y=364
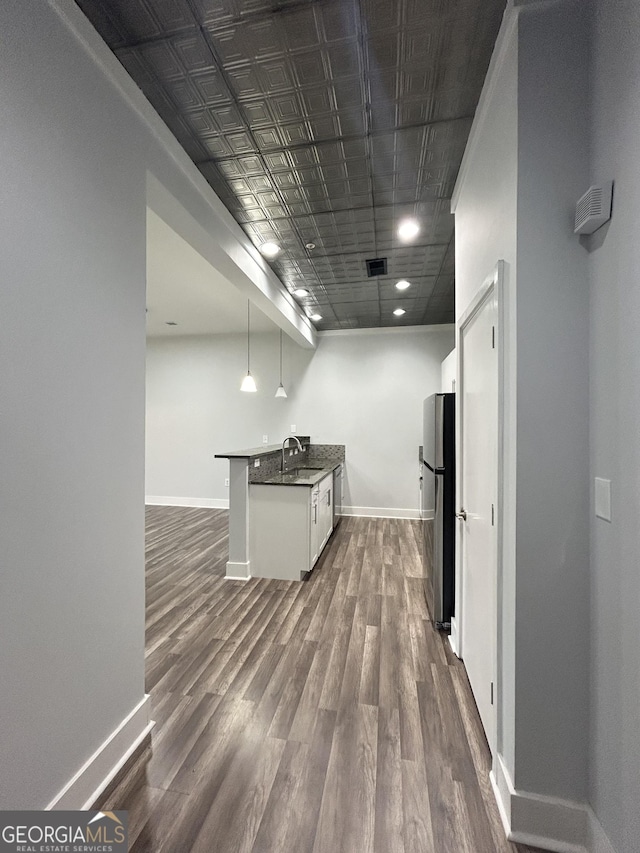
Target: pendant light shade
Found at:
x=248, y=383
x=280, y=392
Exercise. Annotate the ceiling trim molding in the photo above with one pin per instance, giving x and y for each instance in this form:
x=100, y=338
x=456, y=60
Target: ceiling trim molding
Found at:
x=389, y=330
x=301, y=329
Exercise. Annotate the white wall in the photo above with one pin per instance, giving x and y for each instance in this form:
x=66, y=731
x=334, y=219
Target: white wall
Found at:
x=365, y=390
x=195, y=409
x=485, y=206
x=615, y=415
x=362, y=389
x=448, y=372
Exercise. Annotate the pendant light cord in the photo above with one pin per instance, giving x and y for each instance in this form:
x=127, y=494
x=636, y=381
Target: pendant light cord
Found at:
x=248, y=336
x=281, y=356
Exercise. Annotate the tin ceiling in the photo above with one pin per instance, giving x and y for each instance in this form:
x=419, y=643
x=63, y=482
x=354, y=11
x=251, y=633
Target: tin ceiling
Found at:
x=322, y=122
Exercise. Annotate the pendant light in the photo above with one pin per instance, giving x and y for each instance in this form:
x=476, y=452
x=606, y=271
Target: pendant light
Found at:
x=280, y=392
x=248, y=383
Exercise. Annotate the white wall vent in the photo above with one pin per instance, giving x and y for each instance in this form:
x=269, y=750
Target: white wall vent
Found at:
x=594, y=208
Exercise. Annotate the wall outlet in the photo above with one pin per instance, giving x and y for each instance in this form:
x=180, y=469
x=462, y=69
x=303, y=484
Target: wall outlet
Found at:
x=256, y=463
x=226, y=481
x=293, y=427
x=265, y=439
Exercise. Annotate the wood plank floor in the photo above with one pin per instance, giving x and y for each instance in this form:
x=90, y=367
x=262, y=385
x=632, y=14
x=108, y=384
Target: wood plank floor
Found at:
x=318, y=717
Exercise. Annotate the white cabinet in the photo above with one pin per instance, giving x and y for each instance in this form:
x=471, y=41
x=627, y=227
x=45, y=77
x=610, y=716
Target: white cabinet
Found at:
x=288, y=528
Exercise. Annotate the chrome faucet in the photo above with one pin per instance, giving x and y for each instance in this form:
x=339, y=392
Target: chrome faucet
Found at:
x=288, y=438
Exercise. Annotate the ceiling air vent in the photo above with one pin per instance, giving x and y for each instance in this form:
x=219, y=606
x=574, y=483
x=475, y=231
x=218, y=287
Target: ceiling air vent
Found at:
x=376, y=266
x=594, y=208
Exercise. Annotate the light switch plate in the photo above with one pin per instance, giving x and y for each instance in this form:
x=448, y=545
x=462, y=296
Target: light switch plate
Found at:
x=293, y=427
x=265, y=439
x=602, y=498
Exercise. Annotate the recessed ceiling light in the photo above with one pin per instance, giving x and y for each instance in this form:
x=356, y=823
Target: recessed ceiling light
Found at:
x=408, y=229
x=316, y=317
x=309, y=246
x=403, y=285
x=399, y=312
x=269, y=250
x=301, y=291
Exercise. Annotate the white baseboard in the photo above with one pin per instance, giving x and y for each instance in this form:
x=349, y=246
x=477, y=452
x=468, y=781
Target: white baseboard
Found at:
x=500, y=782
x=598, y=841
x=454, y=638
x=547, y=822
x=238, y=571
x=202, y=503
x=218, y=503
x=379, y=512
x=97, y=772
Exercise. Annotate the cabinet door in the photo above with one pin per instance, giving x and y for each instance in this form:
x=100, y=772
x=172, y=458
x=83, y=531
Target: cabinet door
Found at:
x=322, y=522
x=329, y=510
x=325, y=511
x=314, y=528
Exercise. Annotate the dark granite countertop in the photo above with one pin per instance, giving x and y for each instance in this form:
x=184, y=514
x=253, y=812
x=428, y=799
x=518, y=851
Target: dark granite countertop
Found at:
x=251, y=452
x=309, y=476
x=261, y=450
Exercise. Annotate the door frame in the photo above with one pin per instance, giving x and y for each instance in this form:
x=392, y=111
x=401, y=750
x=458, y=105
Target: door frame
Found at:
x=493, y=286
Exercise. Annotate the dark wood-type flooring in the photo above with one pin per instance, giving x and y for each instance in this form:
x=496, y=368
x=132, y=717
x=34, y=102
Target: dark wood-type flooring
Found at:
x=319, y=717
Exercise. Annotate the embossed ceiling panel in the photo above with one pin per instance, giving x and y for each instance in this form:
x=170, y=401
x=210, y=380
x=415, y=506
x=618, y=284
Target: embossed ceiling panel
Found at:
x=322, y=122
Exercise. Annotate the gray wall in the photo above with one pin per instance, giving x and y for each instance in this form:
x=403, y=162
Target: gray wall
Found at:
x=615, y=415
x=362, y=389
x=72, y=243
x=552, y=555
x=80, y=148
x=525, y=168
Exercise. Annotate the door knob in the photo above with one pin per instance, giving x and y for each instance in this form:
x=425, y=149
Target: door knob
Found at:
x=462, y=514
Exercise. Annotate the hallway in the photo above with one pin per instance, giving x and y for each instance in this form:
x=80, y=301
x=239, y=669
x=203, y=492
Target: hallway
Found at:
x=321, y=717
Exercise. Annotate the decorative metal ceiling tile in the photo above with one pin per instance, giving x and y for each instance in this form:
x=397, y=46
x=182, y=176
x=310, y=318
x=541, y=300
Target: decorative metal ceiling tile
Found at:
x=322, y=122
x=344, y=60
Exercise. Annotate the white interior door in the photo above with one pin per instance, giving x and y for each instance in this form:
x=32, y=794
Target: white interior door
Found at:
x=478, y=493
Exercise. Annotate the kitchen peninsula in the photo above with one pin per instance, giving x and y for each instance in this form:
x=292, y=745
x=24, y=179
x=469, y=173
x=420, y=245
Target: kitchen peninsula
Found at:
x=284, y=502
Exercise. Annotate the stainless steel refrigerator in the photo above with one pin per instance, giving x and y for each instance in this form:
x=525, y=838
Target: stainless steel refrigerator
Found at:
x=439, y=484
